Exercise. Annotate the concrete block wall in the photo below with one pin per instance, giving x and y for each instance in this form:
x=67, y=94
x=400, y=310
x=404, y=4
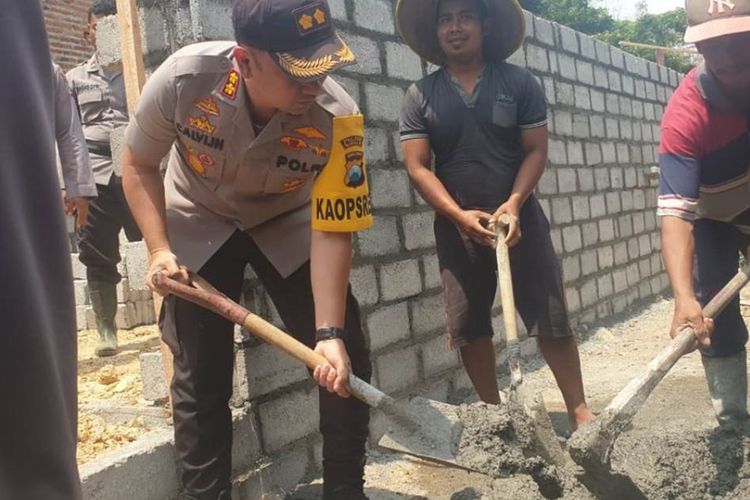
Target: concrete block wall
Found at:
x=605, y=108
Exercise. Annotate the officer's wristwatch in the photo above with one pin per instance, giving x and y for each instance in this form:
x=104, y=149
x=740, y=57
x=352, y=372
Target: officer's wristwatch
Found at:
x=329, y=333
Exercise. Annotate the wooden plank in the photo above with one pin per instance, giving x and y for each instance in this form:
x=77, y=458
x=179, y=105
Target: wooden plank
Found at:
x=132, y=51
x=134, y=73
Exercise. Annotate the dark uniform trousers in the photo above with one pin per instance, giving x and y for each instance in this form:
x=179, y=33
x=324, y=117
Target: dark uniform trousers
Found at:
x=717, y=249
x=202, y=344
x=99, y=240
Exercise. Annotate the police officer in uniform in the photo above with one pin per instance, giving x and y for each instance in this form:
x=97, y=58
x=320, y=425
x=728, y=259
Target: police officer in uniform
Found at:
x=100, y=95
x=74, y=167
x=263, y=147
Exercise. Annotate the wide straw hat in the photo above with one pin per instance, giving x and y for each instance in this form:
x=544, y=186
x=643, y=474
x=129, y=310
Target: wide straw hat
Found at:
x=714, y=18
x=417, y=23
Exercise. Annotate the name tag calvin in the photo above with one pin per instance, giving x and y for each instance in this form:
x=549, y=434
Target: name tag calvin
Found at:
x=341, y=196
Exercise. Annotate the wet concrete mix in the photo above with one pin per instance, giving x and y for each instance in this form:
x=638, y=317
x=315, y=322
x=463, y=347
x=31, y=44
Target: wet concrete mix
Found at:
x=498, y=442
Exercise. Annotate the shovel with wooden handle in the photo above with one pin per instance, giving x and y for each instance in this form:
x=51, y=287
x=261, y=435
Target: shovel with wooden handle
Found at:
x=423, y=428
x=591, y=445
x=547, y=444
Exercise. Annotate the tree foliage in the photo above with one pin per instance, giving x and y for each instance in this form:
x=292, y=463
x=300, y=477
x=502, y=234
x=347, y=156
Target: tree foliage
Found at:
x=577, y=14
x=663, y=29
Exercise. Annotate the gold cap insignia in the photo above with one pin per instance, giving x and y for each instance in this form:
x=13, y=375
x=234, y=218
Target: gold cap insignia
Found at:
x=315, y=68
x=311, y=18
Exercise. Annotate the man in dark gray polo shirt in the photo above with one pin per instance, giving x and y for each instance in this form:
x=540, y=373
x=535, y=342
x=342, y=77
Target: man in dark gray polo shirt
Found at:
x=486, y=122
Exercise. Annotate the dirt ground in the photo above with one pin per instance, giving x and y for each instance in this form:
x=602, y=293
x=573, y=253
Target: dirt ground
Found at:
x=108, y=388
x=672, y=450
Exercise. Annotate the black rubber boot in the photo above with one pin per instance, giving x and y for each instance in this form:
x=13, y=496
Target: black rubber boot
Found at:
x=104, y=302
x=225, y=494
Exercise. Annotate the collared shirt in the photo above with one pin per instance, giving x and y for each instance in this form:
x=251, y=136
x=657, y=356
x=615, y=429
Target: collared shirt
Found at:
x=100, y=96
x=704, y=155
x=221, y=176
x=74, y=165
x=476, y=141
x=469, y=99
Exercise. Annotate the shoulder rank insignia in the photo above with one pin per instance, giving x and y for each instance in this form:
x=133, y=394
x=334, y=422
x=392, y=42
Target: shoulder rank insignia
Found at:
x=231, y=84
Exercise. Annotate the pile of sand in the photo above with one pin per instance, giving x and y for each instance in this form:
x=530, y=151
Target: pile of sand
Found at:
x=113, y=382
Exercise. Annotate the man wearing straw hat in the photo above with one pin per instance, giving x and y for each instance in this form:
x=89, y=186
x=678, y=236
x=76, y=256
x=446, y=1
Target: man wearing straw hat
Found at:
x=486, y=122
x=704, y=193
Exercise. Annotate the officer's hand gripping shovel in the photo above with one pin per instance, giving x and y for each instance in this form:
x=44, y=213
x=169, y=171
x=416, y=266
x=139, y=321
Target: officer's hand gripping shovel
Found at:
x=424, y=428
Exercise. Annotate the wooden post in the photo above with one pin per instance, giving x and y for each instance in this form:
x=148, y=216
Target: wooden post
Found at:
x=660, y=57
x=132, y=51
x=134, y=74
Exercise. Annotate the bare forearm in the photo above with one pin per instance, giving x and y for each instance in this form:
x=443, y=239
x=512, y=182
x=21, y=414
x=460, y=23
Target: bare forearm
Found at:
x=144, y=191
x=678, y=250
x=433, y=192
x=330, y=263
x=528, y=176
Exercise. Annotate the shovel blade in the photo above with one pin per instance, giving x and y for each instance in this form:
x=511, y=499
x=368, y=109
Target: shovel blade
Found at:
x=428, y=429
x=546, y=443
x=432, y=430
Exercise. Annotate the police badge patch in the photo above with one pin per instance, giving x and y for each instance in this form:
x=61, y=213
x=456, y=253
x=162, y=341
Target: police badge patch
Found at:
x=355, y=173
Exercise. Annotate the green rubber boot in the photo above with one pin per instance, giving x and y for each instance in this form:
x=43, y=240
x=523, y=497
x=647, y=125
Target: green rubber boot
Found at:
x=104, y=301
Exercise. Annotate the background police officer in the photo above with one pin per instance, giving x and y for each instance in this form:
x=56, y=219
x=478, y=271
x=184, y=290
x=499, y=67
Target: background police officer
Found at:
x=74, y=168
x=100, y=95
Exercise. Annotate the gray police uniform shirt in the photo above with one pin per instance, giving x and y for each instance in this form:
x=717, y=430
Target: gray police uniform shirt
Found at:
x=476, y=139
x=100, y=95
x=221, y=177
x=74, y=166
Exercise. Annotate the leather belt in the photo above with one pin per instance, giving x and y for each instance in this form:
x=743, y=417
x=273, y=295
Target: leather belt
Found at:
x=99, y=148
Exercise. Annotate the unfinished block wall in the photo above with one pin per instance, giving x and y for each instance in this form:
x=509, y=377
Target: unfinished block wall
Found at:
x=605, y=109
